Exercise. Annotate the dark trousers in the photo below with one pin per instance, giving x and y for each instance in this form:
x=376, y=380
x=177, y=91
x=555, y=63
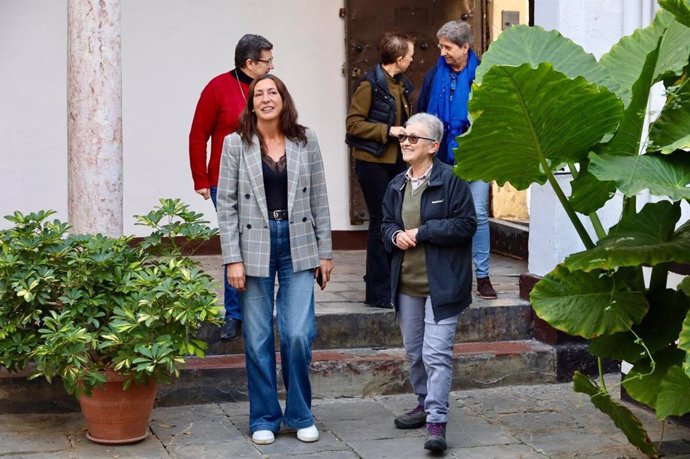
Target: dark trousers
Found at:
x=231, y=299
x=373, y=179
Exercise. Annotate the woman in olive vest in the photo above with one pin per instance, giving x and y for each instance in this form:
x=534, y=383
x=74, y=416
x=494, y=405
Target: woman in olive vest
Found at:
x=380, y=106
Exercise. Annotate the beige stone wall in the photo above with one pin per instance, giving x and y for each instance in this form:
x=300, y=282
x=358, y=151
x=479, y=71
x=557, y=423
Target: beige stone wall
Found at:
x=506, y=202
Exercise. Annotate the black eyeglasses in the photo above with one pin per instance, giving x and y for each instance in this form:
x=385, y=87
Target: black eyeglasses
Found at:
x=412, y=138
x=265, y=61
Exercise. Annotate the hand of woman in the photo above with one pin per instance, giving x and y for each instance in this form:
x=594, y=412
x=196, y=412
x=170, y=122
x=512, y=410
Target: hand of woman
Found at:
x=325, y=268
x=236, y=277
x=395, y=131
x=406, y=239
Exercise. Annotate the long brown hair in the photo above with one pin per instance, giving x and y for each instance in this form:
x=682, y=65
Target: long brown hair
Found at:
x=289, y=126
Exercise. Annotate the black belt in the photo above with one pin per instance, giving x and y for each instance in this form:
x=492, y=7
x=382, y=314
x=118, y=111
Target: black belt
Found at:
x=278, y=214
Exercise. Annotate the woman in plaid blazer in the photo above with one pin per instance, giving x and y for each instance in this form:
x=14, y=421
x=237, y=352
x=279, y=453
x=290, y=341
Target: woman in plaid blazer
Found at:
x=274, y=220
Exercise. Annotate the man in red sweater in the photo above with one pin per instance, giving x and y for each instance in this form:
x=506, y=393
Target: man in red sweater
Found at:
x=217, y=115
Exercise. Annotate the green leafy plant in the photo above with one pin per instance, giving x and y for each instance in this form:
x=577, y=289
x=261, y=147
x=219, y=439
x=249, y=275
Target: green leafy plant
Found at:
x=541, y=103
x=75, y=305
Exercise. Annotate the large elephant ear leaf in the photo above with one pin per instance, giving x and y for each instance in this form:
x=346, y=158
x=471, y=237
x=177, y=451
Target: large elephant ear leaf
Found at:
x=624, y=419
x=656, y=51
x=534, y=45
x=589, y=194
x=679, y=8
x=644, y=238
x=673, y=398
x=666, y=175
x=671, y=131
x=626, y=59
x=658, y=330
x=525, y=120
x=590, y=304
x=643, y=381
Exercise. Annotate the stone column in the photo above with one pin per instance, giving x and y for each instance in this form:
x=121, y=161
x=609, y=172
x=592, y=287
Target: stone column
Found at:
x=94, y=122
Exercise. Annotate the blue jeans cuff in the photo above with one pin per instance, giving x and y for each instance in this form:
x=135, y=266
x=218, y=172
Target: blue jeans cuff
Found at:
x=298, y=424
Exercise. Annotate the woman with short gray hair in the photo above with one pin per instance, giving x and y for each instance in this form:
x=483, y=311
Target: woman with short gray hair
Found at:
x=428, y=224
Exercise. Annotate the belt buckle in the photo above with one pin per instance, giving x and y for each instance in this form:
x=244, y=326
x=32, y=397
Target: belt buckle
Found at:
x=279, y=214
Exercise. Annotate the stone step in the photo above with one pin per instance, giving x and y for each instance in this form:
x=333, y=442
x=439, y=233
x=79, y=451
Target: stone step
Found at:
x=343, y=321
x=362, y=372
x=335, y=373
x=359, y=326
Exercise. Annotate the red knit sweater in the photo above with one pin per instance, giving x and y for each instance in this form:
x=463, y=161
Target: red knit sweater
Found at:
x=217, y=115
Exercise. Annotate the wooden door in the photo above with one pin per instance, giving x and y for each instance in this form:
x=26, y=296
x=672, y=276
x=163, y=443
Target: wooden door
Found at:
x=367, y=21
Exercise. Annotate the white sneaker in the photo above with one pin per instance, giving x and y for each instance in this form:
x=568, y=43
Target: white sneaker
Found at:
x=308, y=434
x=264, y=437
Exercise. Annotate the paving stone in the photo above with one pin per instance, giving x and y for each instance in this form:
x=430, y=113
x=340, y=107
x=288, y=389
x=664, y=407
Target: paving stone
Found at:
x=412, y=447
x=233, y=449
x=580, y=442
x=340, y=454
x=513, y=451
x=149, y=448
x=345, y=409
x=287, y=444
x=195, y=425
x=26, y=442
x=468, y=430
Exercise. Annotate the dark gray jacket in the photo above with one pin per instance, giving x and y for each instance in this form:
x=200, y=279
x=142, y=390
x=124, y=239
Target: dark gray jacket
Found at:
x=448, y=224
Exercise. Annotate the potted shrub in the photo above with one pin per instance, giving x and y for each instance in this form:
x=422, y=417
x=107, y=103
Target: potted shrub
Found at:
x=105, y=315
x=540, y=102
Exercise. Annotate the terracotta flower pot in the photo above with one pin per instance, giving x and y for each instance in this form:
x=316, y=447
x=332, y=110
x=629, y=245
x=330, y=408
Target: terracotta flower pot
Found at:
x=117, y=416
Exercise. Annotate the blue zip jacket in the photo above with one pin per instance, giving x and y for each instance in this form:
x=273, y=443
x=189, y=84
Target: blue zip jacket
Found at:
x=448, y=223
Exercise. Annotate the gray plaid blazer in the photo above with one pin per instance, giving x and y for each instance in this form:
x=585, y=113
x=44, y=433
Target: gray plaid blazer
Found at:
x=242, y=212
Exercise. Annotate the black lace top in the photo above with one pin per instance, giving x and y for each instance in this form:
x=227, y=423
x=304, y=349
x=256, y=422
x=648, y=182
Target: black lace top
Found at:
x=275, y=182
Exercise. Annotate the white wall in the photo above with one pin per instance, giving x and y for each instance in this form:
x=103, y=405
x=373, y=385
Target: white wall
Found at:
x=33, y=108
x=170, y=50
x=596, y=26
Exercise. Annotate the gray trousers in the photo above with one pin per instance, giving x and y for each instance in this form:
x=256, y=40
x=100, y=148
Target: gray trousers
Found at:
x=429, y=346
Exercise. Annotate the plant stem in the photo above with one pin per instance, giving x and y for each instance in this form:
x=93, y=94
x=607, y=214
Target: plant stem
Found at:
x=581, y=231
x=593, y=217
x=600, y=365
x=657, y=282
x=629, y=205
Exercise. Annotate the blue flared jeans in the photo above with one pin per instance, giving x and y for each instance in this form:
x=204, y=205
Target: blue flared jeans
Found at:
x=297, y=328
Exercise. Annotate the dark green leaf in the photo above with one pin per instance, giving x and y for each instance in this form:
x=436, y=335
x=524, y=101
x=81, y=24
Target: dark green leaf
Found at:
x=659, y=329
x=674, y=394
x=643, y=382
x=524, y=119
x=626, y=141
x=647, y=238
x=589, y=194
x=624, y=419
x=684, y=341
x=667, y=175
x=671, y=131
x=679, y=8
x=590, y=304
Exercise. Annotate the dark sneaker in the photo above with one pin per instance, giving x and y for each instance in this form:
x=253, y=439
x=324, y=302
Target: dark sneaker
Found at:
x=231, y=329
x=412, y=419
x=436, y=436
x=485, y=289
